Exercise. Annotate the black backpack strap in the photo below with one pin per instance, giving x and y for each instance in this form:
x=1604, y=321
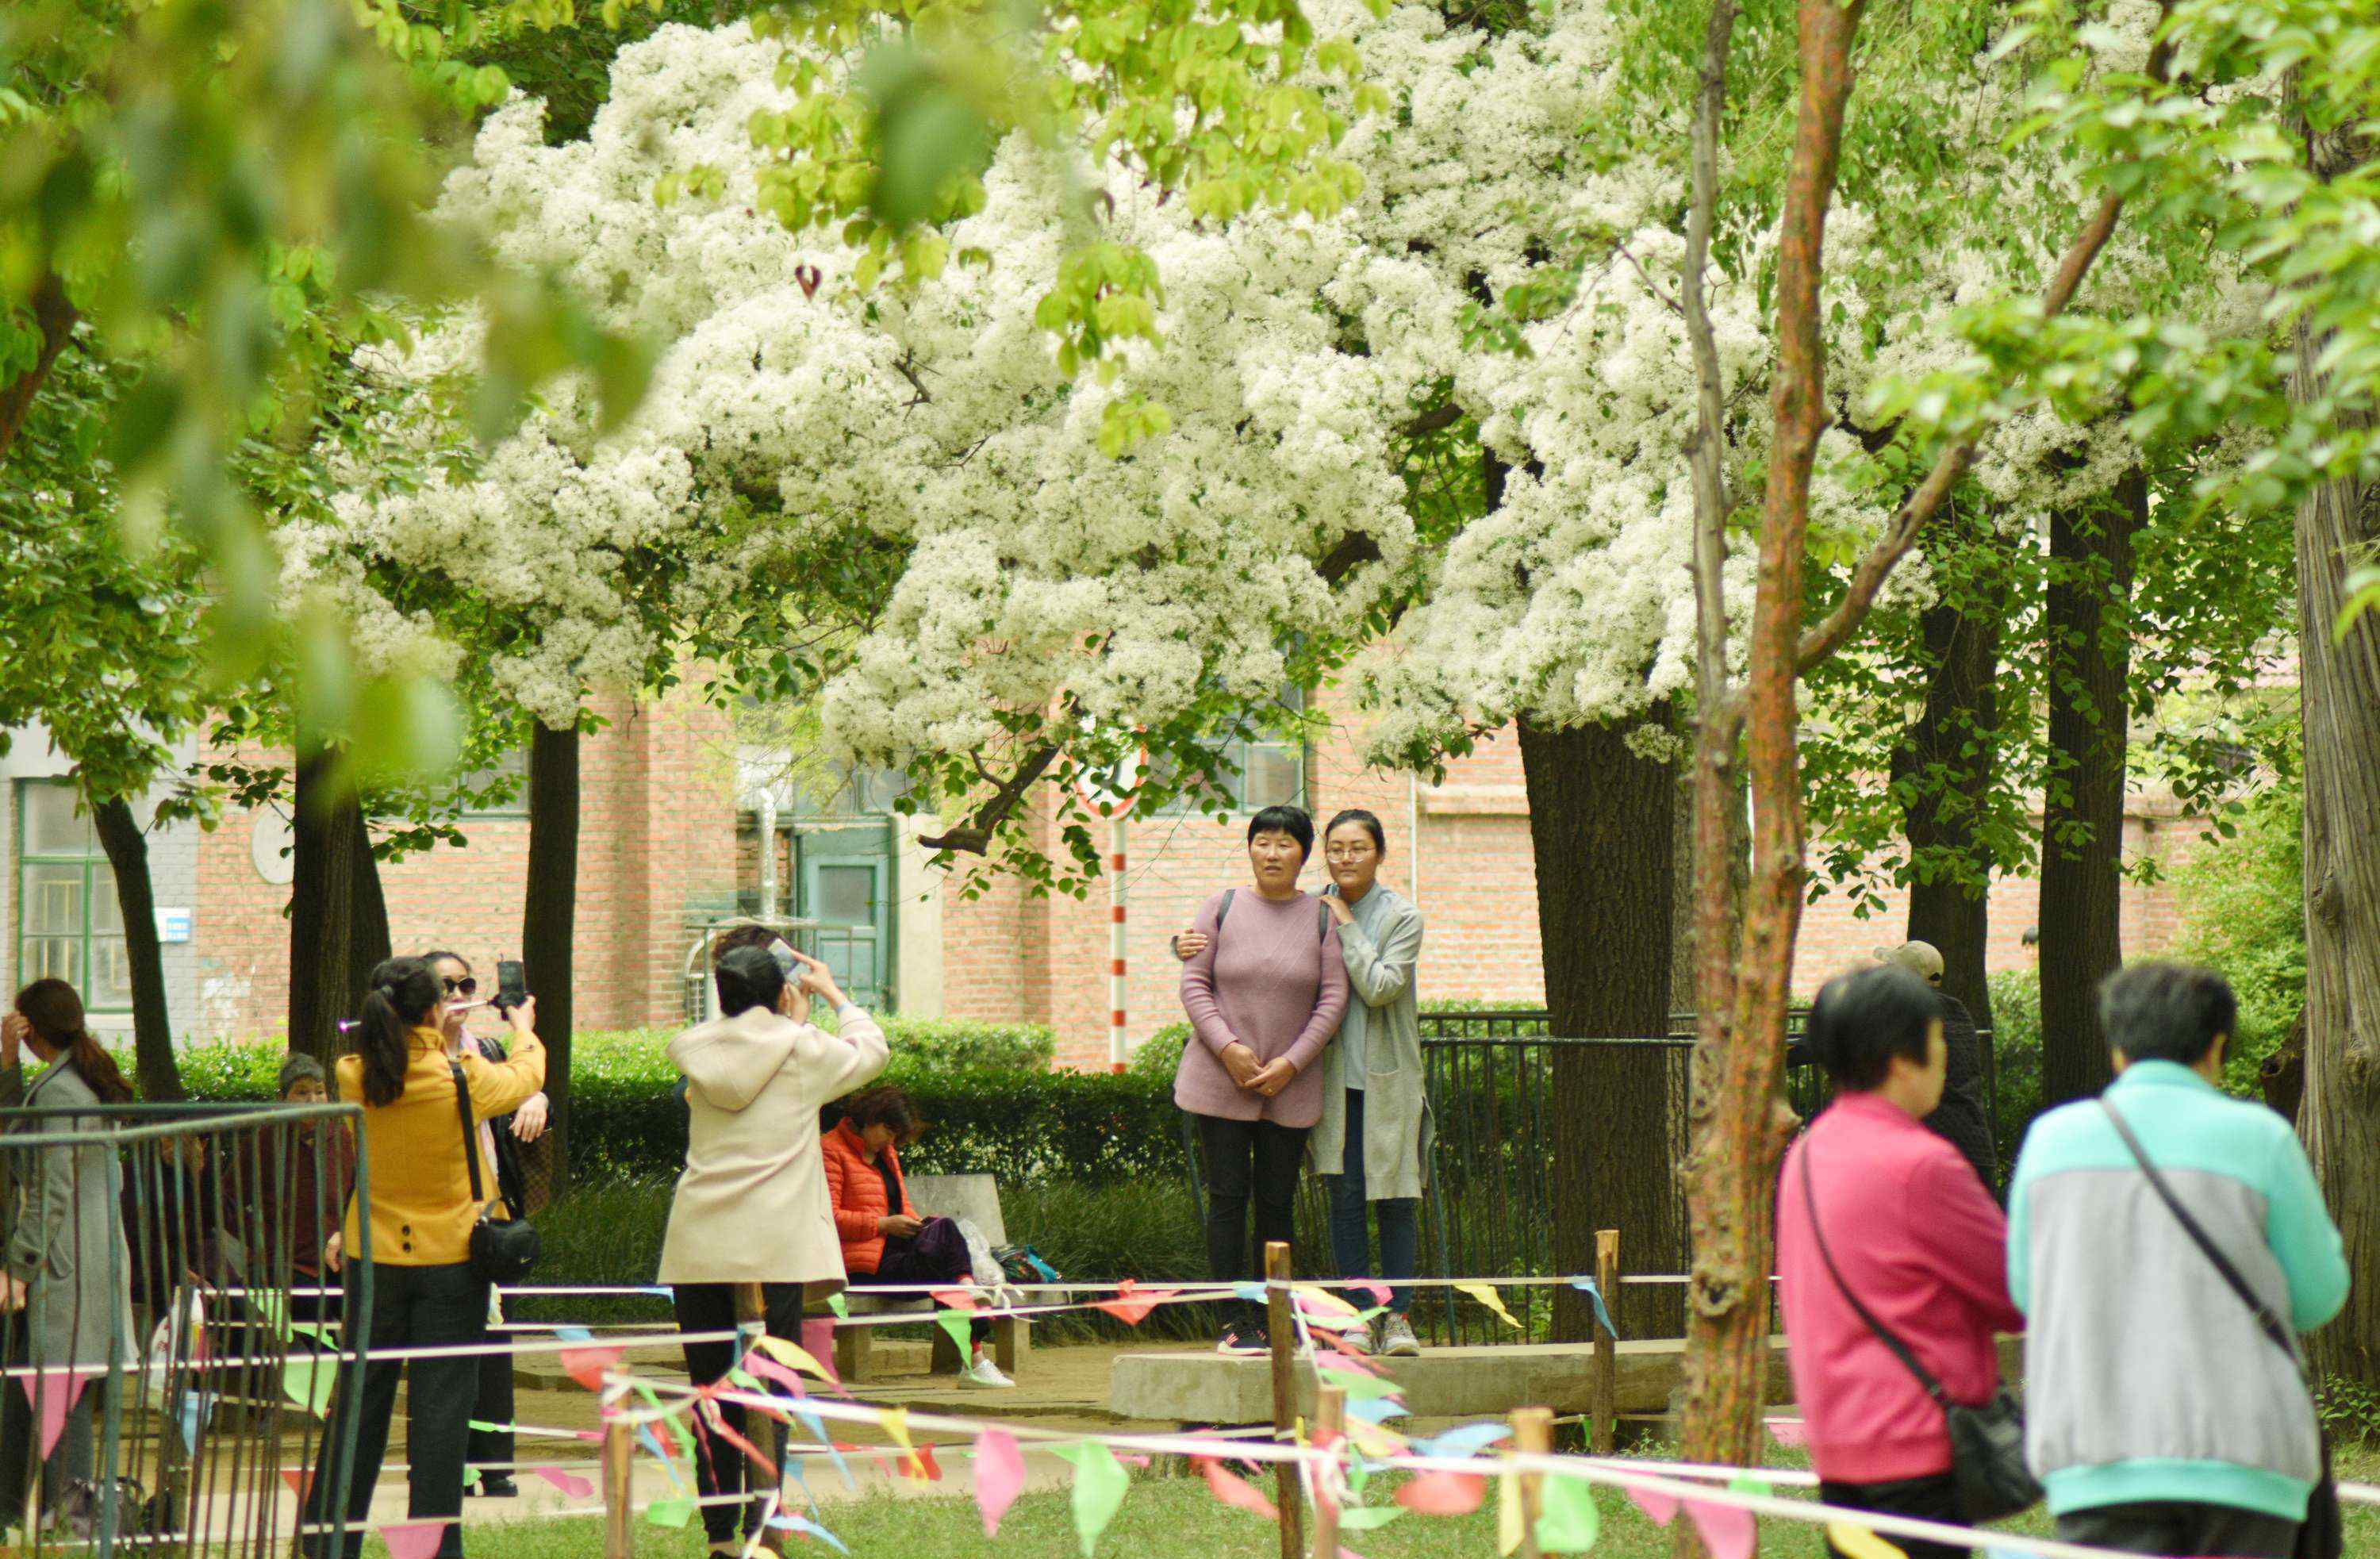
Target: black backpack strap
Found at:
x=471, y=1136
x=1222, y=910
x=1898, y=1349
x=1323, y=910
x=2272, y=1325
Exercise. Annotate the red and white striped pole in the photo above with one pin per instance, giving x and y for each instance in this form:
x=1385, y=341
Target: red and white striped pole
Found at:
x=1118, y=1006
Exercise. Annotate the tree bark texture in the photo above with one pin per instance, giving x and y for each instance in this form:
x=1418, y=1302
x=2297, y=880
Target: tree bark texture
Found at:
x=1599, y=829
x=2338, y=527
x=2089, y=632
x=1740, y=1119
x=321, y=909
x=1950, y=759
x=367, y=930
x=126, y=845
x=549, y=915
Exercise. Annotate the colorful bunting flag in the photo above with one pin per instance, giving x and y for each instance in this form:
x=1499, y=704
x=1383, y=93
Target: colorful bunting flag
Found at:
x=998, y=1476
x=1132, y=1303
x=1443, y=1493
x=308, y=1383
x=1365, y=1518
x=412, y=1540
x=1858, y=1543
x=792, y=1357
x=52, y=1391
x=1373, y=1410
x=1662, y=1508
x=587, y=1364
x=1488, y=1301
x=1099, y=1484
x=1568, y=1521
x=1229, y=1488
x=670, y=1512
x=1602, y=1315
x=570, y=1483
x=1789, y=1432
x=1729, y=1531
x=1462, y=1441
x=808, y=1527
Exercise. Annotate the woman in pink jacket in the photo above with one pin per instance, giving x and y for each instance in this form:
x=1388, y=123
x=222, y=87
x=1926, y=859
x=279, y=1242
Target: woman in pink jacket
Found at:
x=1873, y=1204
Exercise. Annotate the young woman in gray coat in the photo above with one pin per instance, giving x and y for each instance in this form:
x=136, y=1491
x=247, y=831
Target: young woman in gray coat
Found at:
x=63, y=1290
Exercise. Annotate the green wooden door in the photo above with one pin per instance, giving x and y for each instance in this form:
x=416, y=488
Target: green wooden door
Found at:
x=849, y=893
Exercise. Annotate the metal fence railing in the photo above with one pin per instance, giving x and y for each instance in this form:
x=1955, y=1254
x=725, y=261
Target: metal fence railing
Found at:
x=158, y=1389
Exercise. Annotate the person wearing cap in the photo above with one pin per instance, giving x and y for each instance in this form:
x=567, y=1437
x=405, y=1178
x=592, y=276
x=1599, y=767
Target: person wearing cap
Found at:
x=307, y=1200
x=751, y=1206
x=1964, y=1116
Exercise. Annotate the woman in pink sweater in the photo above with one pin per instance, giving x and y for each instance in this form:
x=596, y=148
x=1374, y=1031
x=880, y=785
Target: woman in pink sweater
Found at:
x=1872, y=1202
x=1264, y=996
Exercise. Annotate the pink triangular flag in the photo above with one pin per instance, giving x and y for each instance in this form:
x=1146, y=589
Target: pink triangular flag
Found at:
x=1662, y=1508
x=53, y=1396
x=818, y=1341
x=1233, y=1490
x=570, y=1483
x=1132, y=1303
x=760, y=1364
x=1728, y=1530
x=999, y=1474
x=412, y=1540
x=1379, y=1291
x=586, y=1366
x=956, y=1298
x=1788, y=1432
x=1443, y=1493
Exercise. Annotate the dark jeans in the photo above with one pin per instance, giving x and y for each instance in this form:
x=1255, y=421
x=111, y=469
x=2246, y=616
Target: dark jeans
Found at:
x=71, y=1458
x=411, y=1306
x=719, y=1467
x=1921, y=1499
x=1351, y=1241
x=935, y=1253
x=1248, y=1161
x=2173, y=1527
x=490, y=1450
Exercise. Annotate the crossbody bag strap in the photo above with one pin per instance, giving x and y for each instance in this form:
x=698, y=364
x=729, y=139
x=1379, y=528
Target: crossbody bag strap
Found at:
x=1883, y=1334
x=471, y=1136
x=2272, y=1325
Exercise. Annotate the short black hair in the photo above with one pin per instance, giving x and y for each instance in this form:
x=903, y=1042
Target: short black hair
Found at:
x=1292, y=821
x=745, y=935
x=433, y=956
x=2159, y=1011
x=1371, y=825
x=748, y=977
x=885, y=1106
x=1862, y=1020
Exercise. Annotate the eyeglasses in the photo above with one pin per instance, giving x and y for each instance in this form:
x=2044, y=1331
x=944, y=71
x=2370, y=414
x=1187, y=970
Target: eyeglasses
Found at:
x=463, y=987
x=1360, y=852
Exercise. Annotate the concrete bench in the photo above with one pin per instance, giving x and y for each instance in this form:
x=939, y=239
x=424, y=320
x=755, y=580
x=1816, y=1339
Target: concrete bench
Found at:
x=975, y=1198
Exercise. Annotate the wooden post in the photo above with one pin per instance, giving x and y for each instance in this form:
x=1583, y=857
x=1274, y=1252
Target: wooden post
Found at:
x=752, y=1310
x=1330, y=1430
x=1288, y=1494
x=619, y=1515
x=1532, y=1435
x=1603, y=1381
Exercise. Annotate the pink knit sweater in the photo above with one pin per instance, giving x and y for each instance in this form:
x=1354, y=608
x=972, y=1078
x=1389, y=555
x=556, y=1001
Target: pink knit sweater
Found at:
x=1274, y=981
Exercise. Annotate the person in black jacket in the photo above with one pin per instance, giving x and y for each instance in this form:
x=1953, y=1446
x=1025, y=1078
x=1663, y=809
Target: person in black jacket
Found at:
x=1964, y=1117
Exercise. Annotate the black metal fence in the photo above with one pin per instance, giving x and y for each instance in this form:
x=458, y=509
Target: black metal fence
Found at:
x=164, y=1385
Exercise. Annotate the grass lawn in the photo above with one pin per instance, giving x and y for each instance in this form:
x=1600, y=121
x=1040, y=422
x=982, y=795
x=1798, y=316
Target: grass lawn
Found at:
x=1177, y=1518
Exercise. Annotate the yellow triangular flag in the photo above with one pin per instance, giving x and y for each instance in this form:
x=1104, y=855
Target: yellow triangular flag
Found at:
x=792, y=1357
x=896, y=1424
x=1509, y=1514
x=1375, y=1440
x=1858, y=1543
x=1486, y=1298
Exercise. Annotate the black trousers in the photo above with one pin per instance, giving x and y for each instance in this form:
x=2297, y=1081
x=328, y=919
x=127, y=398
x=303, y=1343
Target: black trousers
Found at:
x=2177, y=1527
x=1921, y=1499
x=490, y=1450
x=411, y=1306
x=720, y=1468
x=935, y=1253
x=1248, y=1163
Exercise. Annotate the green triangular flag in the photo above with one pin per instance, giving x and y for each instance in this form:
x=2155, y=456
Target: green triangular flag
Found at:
x=670, y=1512
x=1100, y=1483
x=309, y=1381
x=1363, y=1518
x=835, y=1302
x=1359, y=1387
x=955, y=1324
x=1745, y=1483
x=1567, y=1519
x=268, y=1307
x=470, y=1477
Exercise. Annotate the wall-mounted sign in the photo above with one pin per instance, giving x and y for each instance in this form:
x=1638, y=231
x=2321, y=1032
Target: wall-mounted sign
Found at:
x=173, y=925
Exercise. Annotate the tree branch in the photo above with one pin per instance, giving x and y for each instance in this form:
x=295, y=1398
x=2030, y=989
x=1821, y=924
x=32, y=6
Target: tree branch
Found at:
x=1877, y=565
x=1705, y=451
x=54, y=317
x=974, y=836
x=1435, y=419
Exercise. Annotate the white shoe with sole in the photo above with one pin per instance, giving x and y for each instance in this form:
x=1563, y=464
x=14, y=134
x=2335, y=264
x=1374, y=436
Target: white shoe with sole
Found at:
x=984, y=1373
x=1397, y=1339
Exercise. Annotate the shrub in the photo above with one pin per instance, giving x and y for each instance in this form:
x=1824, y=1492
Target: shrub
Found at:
x=2016, y=1056
x=2242, y=903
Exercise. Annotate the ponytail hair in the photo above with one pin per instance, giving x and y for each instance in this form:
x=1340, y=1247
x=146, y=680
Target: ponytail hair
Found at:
x=56, y=1013
x=399, y=997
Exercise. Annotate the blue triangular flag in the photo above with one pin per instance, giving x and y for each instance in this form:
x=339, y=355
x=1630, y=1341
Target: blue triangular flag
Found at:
x=1376, y=1410
x=1463, y=1439
x=808, y=1527
x=1586, y=1286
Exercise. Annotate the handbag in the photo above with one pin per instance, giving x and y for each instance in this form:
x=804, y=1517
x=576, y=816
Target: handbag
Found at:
x=1987, y=1467
x=2321, y=1534
x=503, y=1251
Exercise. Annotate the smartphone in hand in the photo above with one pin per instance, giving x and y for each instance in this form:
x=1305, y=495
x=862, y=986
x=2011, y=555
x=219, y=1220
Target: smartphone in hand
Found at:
x=512, y=984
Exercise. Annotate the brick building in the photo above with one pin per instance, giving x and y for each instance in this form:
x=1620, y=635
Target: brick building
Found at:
x=671, y=823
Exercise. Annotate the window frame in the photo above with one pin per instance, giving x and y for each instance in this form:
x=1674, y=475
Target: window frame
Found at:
x=1234, y=755
x=94, y=861
x=516, y=809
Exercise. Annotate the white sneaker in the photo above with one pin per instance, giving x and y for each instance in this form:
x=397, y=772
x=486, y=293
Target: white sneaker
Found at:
x=1397, y=1339
x=984, y=1373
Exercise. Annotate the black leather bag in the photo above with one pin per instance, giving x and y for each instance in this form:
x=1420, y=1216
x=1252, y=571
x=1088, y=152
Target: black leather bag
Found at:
x=2321, y=1535
x=1987, y=1464
x=503, y=1251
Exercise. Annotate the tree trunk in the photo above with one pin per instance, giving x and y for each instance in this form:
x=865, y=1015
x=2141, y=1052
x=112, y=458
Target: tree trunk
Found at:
x=548, y=919
x=1599, y=829
x=54, y=318
x=152, y=1034
x=367, y=933
x=321, y=909
x=2089, y=631
x=2338, y=527
x=1950, y=759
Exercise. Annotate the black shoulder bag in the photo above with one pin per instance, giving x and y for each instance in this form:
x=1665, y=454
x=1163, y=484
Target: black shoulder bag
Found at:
x=1986, y=1439
x=503, y=1251
x=2321, y=1536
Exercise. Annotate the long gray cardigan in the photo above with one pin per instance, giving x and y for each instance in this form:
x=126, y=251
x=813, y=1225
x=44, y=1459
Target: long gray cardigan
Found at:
x=1398, y=1130
x=67, y=1242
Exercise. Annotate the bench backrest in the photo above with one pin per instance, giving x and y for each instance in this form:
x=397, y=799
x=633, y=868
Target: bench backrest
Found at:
x=973, y=1197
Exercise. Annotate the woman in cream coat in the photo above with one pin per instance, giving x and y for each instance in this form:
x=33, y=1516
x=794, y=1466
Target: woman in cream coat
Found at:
x=752, y=1205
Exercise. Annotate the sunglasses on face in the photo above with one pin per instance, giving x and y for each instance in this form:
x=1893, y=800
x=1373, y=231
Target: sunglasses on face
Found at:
x=463, y=987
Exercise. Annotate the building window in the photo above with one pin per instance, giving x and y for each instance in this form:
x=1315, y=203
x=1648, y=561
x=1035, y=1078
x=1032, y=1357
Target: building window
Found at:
x=501, y=788
x=71, y=926
x=1258, y=770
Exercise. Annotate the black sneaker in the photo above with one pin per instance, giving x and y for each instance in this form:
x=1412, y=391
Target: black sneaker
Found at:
x=497, y=1488
x=1245, y=1338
